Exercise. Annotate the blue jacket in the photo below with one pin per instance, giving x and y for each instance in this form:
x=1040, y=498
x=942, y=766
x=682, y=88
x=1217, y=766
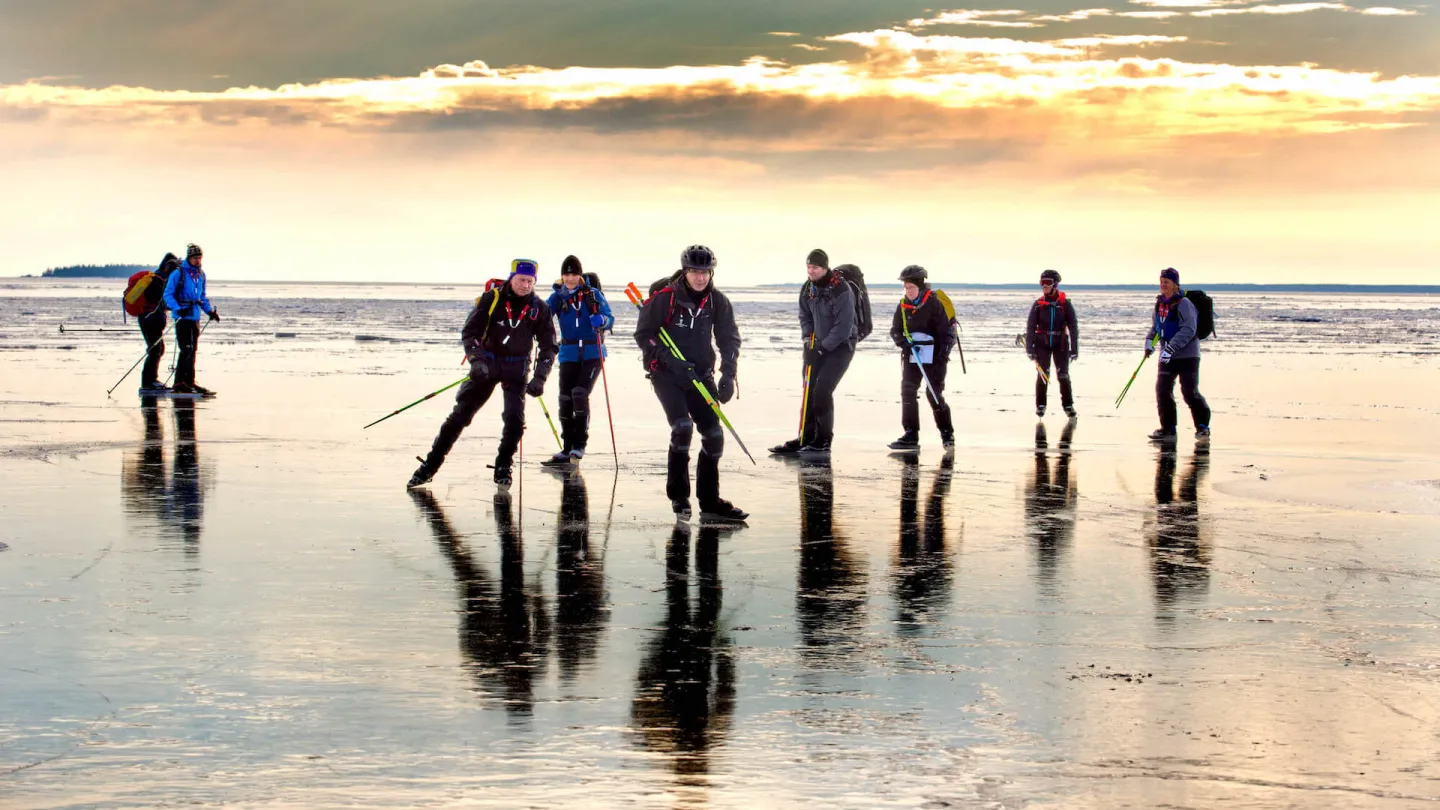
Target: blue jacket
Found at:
x=1174, y=322
x=185, y=293
x=572, y=309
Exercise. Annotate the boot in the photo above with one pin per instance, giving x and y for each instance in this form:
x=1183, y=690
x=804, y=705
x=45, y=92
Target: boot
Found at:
x=1163, y=436
x=502, y=476
x=424, y=474
x=908, y=442
x=789, y=448
x=681, y=507
x=560, y=459
x=947, y=440
x=722, y=511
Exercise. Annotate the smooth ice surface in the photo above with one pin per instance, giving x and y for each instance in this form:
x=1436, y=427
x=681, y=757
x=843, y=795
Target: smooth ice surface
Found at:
x=236, y=603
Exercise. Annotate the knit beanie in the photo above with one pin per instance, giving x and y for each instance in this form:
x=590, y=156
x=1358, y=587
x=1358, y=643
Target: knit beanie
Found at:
x=818, y=258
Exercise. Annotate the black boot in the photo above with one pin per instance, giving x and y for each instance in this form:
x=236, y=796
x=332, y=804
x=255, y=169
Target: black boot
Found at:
x=681, y=507
x=424, y=474
x=789, y=448
x=909, y=441
x=502, y=476
x=722, y=511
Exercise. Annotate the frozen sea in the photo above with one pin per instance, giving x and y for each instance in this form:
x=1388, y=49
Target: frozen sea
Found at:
x=235, y=602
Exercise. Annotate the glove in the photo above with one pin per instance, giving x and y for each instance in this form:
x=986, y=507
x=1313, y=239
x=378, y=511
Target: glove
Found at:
x=1074, y=355
x=214, y=314
x=482, y=366
x=1149, y=347
x=535, y=387
x=676, y=366
x=1030, y=355
x=813, y=355
x=726, y=389
x=597, y=321
x=1165, y=355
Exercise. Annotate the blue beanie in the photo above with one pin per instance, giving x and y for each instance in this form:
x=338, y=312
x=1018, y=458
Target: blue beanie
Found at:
x=1171, y=273
x=524, y=267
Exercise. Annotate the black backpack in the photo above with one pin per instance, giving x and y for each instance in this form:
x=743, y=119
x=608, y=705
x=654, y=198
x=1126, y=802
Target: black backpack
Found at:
x=1204, y=313
x=593, y=279
x=672, y=280
x=851, y=275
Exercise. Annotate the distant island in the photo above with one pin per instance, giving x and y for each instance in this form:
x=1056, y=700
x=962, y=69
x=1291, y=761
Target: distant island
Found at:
x=96, y=271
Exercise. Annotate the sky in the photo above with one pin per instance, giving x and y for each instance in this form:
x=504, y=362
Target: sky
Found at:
x=434, y=140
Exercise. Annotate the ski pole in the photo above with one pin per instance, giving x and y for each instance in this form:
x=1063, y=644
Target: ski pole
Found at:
x=552, y=422
x=1126, y=389
x=961, y=347
x=1039, y=369
x=137, y=362
x=633, y=293
x=609, y=416
x=72, y=329
x=926, y=377
x=418, y=401
x=805, y=394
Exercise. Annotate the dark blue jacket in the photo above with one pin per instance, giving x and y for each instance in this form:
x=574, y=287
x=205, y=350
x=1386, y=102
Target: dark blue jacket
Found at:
x=185, y=293
x=572, y=309
x=1175, y=321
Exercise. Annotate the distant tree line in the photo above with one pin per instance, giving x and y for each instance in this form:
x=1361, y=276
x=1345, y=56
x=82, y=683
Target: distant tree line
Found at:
x=95, y=271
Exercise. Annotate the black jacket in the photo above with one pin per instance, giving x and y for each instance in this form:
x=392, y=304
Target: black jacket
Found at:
x=929, y=317
x=1050, y=321
x=692, y=320
x=507, y=326
x=827, y=310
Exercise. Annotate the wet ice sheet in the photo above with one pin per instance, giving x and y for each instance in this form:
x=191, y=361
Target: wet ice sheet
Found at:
x=236, y=603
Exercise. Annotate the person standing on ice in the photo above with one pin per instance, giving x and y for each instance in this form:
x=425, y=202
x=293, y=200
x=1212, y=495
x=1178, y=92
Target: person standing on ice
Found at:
x=828, y=332
x=583, y=314
x=1050, y=332
x=921, y=329
x=697, y=317
x=185, y=296
x=499, y=335
x=1173, y=327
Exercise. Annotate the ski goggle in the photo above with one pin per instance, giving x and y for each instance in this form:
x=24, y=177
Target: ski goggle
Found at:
x=524, y=267
x=1045, y=282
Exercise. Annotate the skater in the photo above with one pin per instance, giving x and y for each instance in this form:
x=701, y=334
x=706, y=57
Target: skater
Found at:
x=185, y=296
x=922, y=331
x=498, y=336
x=1050, y=331
x=693, y=313
x=584, y=316
x=1173, y=327
x=152, y=325
x=828, y=332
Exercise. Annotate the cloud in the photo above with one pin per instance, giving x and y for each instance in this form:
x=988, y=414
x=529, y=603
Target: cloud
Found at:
x=784, y=34
x=1074, y=16
x=974, y=17
x=1287, y=8
x=1386, y=11
x=900, y=99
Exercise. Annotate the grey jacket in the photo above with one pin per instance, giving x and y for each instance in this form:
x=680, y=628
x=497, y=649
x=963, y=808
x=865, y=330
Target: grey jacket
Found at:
x=1177, y=330
x=829, y=313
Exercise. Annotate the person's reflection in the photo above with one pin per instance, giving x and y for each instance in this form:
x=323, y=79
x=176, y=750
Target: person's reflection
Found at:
x=173, y=498
x=922, y=575
x=579, y=583
x=830, y=592
x=187, y=502
x=685, y=690
x=1179, y=557
x=1050, y=508
x=502, y=635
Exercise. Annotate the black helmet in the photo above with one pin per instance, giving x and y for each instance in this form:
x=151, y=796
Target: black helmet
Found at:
x=697, y=257
x=1053, y=275
x=914, y=273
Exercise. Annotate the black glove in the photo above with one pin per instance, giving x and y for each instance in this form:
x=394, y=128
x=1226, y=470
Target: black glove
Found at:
x=214, y=314
x=1030, y=355
x=676, y=366
x=535, y=387
x=482, y=366
x=813, y=354
x=726, y=389
x=1074, y=355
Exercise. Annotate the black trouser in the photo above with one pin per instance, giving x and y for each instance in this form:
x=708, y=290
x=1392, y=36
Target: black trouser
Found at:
x=1188, y=370
x=577, y=380
x=1062, y=373
x=684, y=410
x=152, y=327
x=819, y=406
x=472, y=396
x=187, y=337
x=910, y=384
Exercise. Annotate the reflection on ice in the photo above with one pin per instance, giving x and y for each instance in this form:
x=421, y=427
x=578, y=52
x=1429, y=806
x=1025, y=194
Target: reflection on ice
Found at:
x=1179, y=555
x=685, y=691
x=830, y=587
x=1050, y=509
x=922, y=579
